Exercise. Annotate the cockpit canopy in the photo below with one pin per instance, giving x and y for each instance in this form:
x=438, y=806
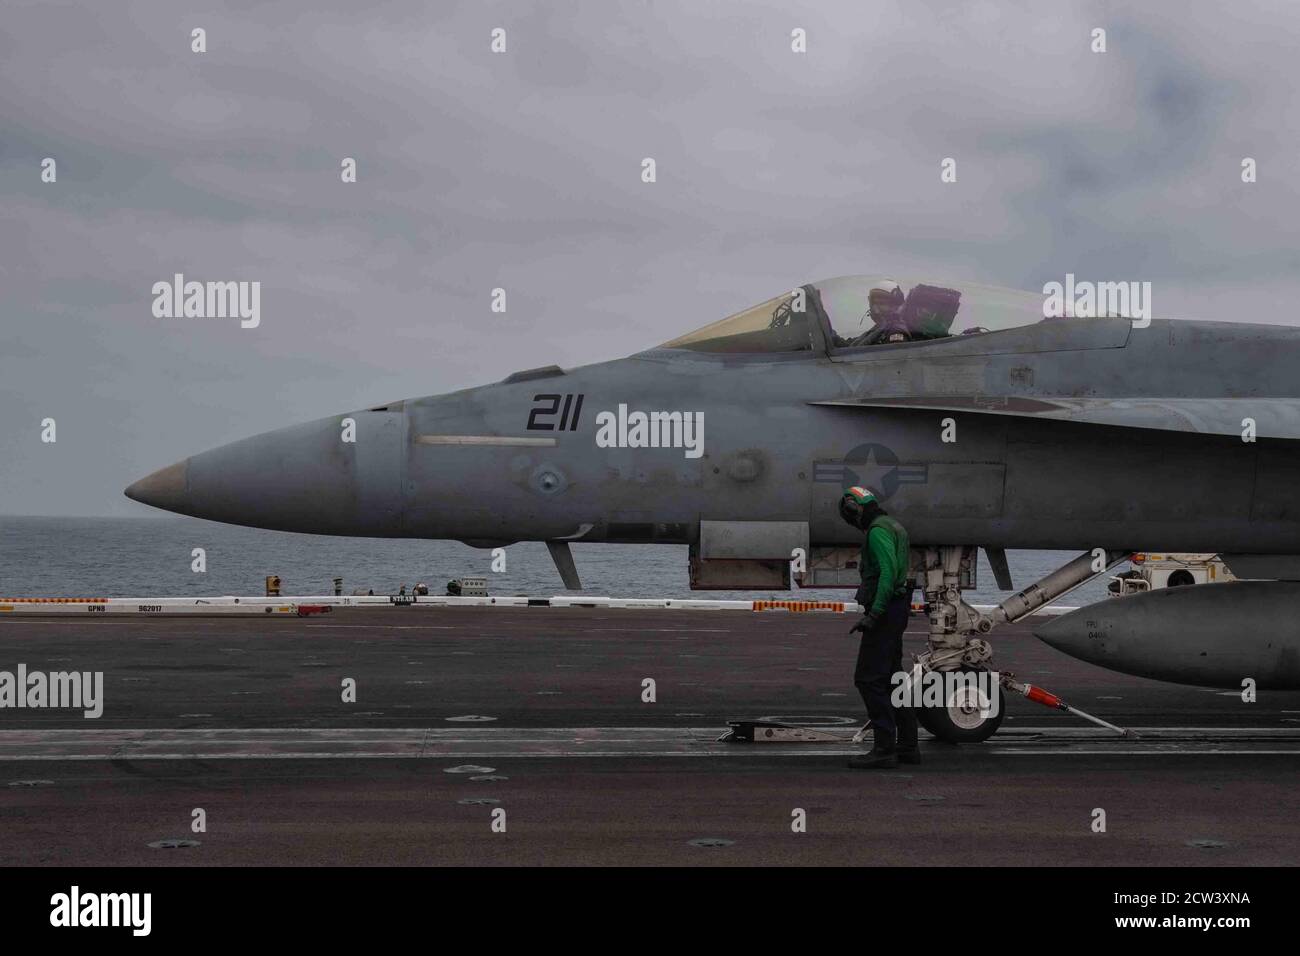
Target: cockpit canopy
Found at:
x=864, y=311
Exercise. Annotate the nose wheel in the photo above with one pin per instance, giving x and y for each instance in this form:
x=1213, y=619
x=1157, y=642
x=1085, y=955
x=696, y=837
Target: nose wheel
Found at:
x=971, y=710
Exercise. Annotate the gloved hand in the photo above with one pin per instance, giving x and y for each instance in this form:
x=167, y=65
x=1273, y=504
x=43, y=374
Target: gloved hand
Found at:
x=867, y=623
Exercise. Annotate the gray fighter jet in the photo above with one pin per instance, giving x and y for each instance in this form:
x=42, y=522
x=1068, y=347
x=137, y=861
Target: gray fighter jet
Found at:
x=979, y=422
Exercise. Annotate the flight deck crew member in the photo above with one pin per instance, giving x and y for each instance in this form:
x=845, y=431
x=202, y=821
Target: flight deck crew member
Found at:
x=886, y=596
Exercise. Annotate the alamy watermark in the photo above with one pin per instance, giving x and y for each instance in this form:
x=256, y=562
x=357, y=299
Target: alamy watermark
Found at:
x=1088, y=300
x=208, y=300
x=75, y=908
x=624, y=429
x=967, y=690
x=79, y=690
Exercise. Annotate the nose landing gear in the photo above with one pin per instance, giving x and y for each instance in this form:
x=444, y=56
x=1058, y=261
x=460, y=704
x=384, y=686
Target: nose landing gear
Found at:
x=970, y=706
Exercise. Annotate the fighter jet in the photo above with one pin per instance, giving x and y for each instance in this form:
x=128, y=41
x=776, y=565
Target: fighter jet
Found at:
x=981, y=417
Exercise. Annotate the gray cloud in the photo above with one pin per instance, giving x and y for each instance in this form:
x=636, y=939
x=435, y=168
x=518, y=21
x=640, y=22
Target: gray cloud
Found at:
x=522, y=170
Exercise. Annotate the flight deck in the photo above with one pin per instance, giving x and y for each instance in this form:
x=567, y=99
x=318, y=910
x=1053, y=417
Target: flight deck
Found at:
x=546, y=713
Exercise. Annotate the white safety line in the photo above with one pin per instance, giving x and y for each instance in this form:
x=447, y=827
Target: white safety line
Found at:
x=498, y=743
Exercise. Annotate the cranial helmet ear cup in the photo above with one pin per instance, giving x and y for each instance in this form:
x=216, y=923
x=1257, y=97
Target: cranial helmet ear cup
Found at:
x=851, y=510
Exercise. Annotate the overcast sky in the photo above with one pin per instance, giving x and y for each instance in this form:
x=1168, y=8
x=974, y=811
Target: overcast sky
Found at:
x=523, y=170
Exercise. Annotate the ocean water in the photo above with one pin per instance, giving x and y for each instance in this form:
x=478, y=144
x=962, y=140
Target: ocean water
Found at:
x=151, y=557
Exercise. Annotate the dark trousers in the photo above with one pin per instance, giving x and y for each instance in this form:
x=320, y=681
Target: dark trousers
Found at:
x=880, y=657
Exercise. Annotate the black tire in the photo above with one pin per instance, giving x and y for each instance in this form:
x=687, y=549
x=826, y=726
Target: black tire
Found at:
x=957, y=724
x=1180, y=579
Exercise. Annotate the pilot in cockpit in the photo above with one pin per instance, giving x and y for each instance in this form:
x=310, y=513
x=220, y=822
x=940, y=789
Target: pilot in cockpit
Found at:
x=925, y=313
x=885, y=306
x=885, y=309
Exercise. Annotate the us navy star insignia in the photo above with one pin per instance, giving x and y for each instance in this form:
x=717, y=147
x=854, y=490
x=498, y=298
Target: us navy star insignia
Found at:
x=873, y=465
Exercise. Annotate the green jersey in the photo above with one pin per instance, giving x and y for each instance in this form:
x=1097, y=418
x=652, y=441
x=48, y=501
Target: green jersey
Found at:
x=883, y=565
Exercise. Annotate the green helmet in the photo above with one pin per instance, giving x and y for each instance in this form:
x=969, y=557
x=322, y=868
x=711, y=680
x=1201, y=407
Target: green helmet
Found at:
x=862, y=495
x=854, y=502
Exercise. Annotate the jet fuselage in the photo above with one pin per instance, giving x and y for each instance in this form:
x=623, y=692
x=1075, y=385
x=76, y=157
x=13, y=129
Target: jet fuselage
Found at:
x=521, y=460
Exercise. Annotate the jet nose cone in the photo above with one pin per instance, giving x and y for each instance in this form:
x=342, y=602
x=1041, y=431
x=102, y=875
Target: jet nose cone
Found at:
x=166, y=488
x=304, y=478
x=1066, y=633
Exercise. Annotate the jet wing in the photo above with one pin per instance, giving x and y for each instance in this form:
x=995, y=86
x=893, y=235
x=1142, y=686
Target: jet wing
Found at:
x=1273, y=417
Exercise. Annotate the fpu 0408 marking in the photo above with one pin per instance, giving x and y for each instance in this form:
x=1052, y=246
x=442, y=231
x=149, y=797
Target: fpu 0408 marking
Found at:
x=550, y=404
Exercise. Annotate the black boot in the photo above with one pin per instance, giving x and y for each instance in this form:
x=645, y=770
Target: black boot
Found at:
x=882, y=756
x=908, y=750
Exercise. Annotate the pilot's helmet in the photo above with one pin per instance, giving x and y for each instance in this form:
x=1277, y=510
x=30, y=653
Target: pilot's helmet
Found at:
x=885, y=299
x=854, y=502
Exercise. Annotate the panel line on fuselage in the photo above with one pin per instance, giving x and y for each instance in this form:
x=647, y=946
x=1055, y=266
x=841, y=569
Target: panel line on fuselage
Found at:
x=484, y=440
